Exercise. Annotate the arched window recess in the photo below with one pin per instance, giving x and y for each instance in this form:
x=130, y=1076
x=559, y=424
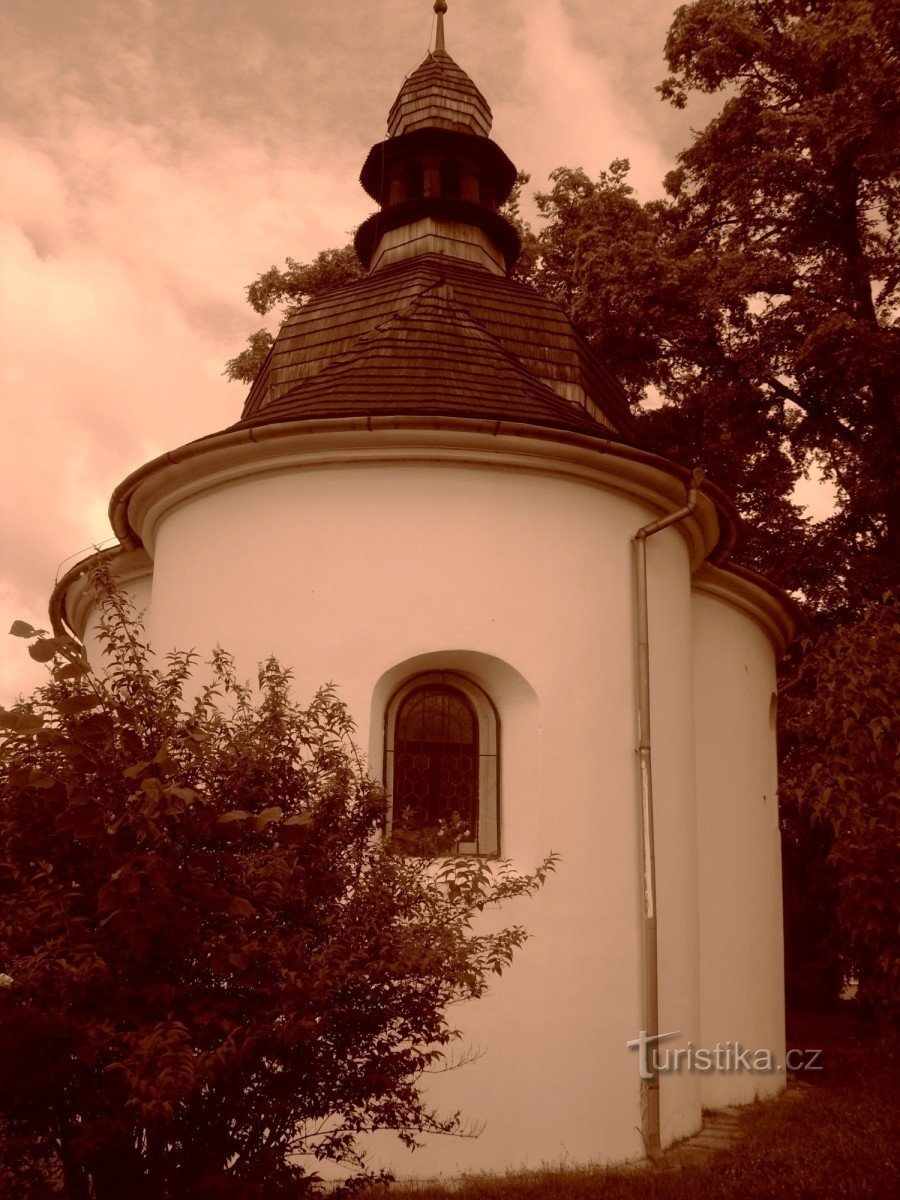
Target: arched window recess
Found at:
x=441, y=764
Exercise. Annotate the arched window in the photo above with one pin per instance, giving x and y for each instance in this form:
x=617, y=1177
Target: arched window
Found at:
x=413, y=179
x=441, y=768
x=451, y=179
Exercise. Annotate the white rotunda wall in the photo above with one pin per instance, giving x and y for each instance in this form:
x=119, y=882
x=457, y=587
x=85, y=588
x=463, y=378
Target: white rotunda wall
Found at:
x=524, y=579
x=675, y=821
x=739, y=846
x=133, y=573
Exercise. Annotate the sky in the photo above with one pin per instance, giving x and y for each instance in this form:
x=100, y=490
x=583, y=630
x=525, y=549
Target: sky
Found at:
x=160, y=154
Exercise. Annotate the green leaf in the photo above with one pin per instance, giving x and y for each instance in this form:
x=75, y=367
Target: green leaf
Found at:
x=43, y=650
x=72, y=670
x=135, y=769
x=188, y=795
x=23, y=630
x=40, y=779
x=71, y=705
x=237, y=814
x=94, y=727
x=297, y=829
x=20, y=722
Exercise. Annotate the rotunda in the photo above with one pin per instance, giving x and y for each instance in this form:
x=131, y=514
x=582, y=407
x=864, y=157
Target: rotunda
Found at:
x=434, y=497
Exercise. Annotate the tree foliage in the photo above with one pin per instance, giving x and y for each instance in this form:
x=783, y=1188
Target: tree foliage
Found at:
x=840, y=777
x=212, y=960
x=289, y=289
x=758, y=299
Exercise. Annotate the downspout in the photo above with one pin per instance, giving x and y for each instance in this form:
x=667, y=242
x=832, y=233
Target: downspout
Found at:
x=650, y=1086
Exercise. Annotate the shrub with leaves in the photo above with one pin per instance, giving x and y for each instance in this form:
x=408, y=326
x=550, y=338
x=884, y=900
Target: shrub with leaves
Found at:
x=212, y=961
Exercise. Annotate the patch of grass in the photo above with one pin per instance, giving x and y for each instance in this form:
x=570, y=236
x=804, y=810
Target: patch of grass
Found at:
x=834, y=1139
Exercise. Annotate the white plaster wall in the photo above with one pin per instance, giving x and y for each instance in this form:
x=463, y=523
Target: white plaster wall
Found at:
x=675, y=821
x=524, y=580
x=138, y=589
x=739, y=848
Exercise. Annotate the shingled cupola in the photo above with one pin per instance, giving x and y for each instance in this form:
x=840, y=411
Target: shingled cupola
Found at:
x=437, y=175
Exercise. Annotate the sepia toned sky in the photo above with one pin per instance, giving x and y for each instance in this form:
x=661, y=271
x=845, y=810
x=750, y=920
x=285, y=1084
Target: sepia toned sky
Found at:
x=159, y=154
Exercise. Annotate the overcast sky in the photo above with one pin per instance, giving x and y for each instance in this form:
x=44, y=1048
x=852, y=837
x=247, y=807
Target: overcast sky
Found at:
x=159, y=154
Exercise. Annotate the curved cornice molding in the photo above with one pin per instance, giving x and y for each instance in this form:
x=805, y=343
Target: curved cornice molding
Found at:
x=143, y=500
x=754, y=596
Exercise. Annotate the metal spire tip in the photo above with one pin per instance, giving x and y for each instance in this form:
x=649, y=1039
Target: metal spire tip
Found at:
x=440, y=7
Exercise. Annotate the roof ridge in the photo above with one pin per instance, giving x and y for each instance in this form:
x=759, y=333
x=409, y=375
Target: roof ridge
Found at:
x=369, y=335
x=512, y=359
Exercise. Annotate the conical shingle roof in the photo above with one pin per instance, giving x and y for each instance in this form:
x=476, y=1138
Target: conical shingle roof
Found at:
x=439, y=95
x=526, y=327
x=430, y=356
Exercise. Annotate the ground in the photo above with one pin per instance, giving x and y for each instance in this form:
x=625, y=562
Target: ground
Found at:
x=832, y=1136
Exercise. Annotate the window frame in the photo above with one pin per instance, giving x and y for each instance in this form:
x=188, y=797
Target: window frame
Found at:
x=487, y=842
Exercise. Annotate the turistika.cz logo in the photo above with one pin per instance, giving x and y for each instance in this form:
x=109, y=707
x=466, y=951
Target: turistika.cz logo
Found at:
x=724, y=1056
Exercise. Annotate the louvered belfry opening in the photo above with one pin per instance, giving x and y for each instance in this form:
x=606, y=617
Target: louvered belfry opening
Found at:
x=436, y=763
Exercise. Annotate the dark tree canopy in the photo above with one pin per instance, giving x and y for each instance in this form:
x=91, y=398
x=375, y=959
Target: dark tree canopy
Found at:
x=841, y=799
x=212, y=960
x=758, y=300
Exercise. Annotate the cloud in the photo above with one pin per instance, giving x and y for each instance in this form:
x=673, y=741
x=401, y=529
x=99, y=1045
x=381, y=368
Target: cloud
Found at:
x=158, y=156
x=569, y=110
x=123, y=268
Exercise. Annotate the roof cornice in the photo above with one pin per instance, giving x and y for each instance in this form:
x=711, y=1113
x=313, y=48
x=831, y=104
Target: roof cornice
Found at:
x=232, y=456
x=145, y=497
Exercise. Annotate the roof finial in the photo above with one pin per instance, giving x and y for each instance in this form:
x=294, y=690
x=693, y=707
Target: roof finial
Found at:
x=440, y=7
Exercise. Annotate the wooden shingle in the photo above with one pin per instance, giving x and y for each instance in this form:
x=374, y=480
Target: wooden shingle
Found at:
x=524, y=324
x=429, y=357
x=439, y=95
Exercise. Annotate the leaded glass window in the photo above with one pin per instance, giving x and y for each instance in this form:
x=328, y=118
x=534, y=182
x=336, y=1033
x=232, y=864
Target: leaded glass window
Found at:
x=441, y=764
x=436, y=762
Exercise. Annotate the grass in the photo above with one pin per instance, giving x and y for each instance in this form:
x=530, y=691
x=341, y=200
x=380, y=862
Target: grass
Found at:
x=831, y=1139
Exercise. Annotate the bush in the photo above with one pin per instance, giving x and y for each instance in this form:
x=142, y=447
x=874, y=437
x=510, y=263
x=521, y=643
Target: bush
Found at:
x=213, y=962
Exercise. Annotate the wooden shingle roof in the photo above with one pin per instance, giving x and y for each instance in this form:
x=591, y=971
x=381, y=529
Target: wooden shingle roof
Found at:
x=439, y=95
x=429, y=357
x=525, y=328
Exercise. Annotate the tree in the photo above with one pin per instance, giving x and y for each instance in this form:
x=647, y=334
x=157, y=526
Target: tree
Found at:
x=291, y=288
x=758, y=299
x=839, y=784
x=656, y=314
x=212, y=960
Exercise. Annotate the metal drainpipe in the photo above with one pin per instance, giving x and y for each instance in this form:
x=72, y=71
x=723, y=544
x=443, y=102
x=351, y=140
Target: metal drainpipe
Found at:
x=651, y=981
